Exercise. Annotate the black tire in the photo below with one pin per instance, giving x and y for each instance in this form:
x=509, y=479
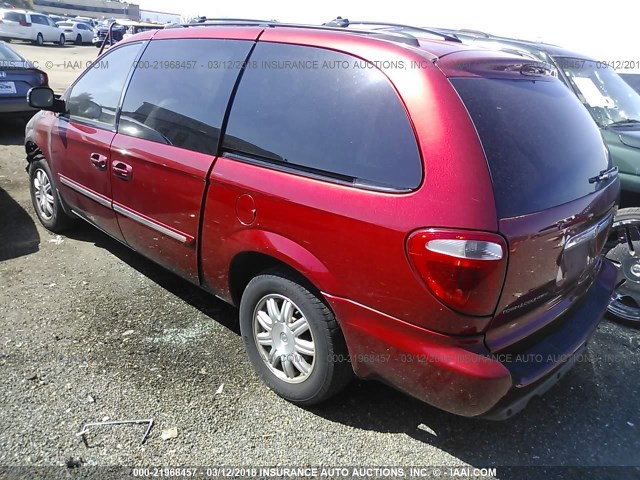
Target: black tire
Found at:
x=331, y=369
x=7, y=40
x=78, y=40
x=625, y=300
x=61, y=41
x=39, y=40
x=55, y=220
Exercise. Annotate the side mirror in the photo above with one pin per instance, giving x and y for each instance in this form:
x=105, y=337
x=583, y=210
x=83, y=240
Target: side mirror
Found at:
x=43, y=98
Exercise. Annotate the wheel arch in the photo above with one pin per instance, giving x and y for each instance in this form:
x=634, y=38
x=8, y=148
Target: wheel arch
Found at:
x=256, y=250
x=248, y=264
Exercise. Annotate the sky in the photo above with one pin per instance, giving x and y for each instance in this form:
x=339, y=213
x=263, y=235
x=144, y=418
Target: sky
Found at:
x=607, y=30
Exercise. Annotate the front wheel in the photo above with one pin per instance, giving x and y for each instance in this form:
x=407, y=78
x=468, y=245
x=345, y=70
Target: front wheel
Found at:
x=623, y=249
x=79, y=40
x=44, y=196
x=293, y=340
x=61, y=41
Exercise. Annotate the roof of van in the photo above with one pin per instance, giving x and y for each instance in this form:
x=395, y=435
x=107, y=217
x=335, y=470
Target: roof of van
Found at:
x=433, y=46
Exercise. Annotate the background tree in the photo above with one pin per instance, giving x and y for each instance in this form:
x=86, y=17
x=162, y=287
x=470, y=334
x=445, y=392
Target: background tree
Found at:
x=24, y=4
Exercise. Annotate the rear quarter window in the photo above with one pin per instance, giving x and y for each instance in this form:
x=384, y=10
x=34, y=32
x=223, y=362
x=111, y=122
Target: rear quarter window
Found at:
x=39, y=19
x=541, y=144
x=324, y=113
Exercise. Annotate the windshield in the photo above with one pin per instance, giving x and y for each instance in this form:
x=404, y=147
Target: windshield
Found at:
x=609, y=99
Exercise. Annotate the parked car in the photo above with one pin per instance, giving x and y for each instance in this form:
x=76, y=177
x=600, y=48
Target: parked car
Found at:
x=633, y=79
x=615, y=107
x=101, y=33
x=77, y=32
x=92, y=22
x=30, y=26
x=58, y=18
x=17, y=77
x=132, y=27
x=436, y=228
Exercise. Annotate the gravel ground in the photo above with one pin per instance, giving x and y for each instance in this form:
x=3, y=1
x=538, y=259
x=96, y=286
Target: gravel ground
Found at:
x=89, y=331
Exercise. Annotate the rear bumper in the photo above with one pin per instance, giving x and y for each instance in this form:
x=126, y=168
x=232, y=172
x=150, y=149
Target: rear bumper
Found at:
x=458, y=374
x=15, y=107
x=16, y=34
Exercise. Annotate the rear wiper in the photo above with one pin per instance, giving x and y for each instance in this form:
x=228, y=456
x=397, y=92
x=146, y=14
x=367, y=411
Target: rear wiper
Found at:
x=628, y=121
x=604, y=175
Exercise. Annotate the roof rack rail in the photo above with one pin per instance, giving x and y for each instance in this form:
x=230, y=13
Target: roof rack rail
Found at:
x=345, y=22
x=233, y=20
x=475, y=32
x=398, y=37
x=237, y=22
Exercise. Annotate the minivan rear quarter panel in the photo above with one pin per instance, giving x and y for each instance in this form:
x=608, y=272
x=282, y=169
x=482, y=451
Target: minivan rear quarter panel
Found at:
x=370, y=227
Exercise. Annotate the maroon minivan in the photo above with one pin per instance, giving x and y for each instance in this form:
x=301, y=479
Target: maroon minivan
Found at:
x=429, y=215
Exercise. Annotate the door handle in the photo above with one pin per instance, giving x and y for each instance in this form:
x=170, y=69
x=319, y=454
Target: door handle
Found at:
x=122, y=170
x=98, y=161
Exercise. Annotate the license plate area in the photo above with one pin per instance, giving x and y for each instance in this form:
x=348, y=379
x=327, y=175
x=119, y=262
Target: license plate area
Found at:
x=581, y=251
x=7, y=88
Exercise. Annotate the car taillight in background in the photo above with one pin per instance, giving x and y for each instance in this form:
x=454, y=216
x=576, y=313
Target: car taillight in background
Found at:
x=465, y=270
x=44, y=78
x=24, y=23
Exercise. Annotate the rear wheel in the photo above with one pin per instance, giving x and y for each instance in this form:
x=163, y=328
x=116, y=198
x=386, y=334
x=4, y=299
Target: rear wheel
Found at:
x=623, y=249
x=293, y=340
x=39, y=40
x=44, y=196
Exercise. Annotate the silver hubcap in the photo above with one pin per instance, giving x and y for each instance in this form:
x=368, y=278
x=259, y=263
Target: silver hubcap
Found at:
x=283, y=338
x=43, y=194
x=625, y=300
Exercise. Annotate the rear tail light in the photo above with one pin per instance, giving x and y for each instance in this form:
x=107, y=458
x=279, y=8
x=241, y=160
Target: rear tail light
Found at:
x=465, y=270
x=44, y=78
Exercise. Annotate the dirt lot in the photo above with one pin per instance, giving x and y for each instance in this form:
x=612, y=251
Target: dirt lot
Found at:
x=89, y=330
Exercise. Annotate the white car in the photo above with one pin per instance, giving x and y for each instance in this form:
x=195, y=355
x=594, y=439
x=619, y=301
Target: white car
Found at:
x=30, y=26
x=77, y=32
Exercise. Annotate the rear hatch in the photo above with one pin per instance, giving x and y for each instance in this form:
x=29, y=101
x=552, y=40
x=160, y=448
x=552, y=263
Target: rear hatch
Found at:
x=555, y=191
x=17, y=75
x=66, y=27
x=13, y=23
x=16, y=79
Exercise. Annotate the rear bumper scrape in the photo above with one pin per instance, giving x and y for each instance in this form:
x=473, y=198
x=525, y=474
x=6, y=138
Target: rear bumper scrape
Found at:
x=458, y=374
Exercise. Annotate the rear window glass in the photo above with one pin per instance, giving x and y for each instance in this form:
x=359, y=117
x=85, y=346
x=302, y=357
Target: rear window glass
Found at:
x=15, y=17
x=540, y=142
x=8, y=55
